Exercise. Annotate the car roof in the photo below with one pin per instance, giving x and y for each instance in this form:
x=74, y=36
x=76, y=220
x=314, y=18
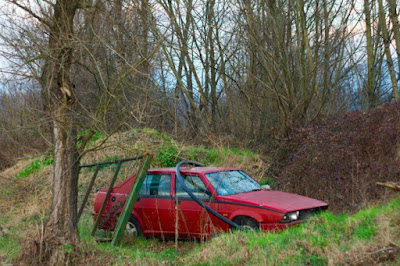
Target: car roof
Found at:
x=192, y=170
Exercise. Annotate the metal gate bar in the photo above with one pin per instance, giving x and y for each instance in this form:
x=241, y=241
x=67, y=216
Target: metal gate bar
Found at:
x=98, y=166
x=103, y=206
x=85, y=199
x=132, y=198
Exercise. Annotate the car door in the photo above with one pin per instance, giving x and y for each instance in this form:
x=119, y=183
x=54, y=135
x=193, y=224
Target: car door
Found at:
x=154, y=205
x=193, y=220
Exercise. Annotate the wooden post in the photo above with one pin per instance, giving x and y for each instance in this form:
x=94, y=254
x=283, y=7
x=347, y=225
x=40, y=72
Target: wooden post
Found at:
x=133, y=195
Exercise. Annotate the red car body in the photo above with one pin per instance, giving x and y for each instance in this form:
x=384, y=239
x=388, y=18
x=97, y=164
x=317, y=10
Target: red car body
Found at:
x=159, y=211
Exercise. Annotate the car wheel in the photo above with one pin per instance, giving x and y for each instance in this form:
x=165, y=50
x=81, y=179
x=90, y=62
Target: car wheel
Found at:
x=133, y=228
x=247, y=223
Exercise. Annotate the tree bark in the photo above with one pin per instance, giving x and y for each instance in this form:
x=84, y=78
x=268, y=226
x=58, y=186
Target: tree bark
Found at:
x=394, y=16
x=61, y=226
x=370, y=58
x=389, y=60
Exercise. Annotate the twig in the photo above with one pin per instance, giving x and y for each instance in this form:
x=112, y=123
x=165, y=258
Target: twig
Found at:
x=388, y=249
x=389, y=185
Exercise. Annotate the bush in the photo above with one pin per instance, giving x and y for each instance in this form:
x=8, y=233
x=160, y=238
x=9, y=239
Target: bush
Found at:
x=341, y=160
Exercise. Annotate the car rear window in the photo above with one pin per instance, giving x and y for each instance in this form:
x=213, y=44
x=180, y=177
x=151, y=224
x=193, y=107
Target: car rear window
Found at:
x=156, y=185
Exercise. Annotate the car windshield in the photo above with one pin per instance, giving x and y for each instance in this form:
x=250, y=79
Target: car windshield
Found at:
x=232, y=182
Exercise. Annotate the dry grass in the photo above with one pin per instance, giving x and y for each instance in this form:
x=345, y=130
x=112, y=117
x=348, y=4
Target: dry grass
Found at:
x=24, y=198
x=369, y=237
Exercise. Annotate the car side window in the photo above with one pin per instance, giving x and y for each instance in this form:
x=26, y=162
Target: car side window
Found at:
x=156, y=185
x=196, y=186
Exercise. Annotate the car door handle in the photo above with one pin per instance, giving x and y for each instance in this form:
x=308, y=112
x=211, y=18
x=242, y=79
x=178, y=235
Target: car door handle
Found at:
x=177, y=202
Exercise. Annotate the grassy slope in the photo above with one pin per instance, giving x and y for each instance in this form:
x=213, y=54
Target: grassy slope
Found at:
x=325, y=239
x=370, y=236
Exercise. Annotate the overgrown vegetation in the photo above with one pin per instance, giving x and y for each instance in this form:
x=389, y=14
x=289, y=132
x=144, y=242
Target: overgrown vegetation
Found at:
x=369, y=236
x=168, y=152
x=340, y=160
x=279, y=66
x=170, y=155
x=26, y=188
x=327, y=239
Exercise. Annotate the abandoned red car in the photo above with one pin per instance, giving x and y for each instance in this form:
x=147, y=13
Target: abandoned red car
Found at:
x=165, y=208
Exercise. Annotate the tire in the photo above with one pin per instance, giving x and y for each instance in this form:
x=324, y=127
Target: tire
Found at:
x=133, y=228
x=247, y=223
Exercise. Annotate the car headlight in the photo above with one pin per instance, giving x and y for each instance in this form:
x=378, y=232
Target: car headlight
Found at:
x=290, y=217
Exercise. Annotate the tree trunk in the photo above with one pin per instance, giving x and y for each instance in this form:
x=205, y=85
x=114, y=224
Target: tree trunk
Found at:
x=389, y=60
x=371, y=93
x=61, y=226
x=394, y=16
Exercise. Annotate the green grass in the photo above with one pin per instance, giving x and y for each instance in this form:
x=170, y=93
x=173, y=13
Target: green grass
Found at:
x=35, y=166
x=327, y=238
x=96, y=136
x=139, y=251
x=11, y=238
x=10, y=246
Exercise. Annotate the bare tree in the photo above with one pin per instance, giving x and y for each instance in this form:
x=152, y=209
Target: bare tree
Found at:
x=394, y=17
x=386, y=42
x=55, y=65
x=60, y=98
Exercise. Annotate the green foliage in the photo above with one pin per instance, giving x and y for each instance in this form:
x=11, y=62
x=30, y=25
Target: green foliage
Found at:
x=170, y=154
x=167, y=156
x=84, y=132
x=155, y=133
x=68, y=248
x=36, y=166
x=268, y=180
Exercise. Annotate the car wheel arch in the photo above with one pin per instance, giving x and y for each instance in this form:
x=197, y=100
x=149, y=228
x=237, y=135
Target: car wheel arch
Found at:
x=134, y=214
x=246, y=222
x=251, y=215
x=135, y=223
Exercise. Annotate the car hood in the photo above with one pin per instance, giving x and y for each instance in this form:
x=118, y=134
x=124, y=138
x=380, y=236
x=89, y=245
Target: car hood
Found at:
x=276, y=200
